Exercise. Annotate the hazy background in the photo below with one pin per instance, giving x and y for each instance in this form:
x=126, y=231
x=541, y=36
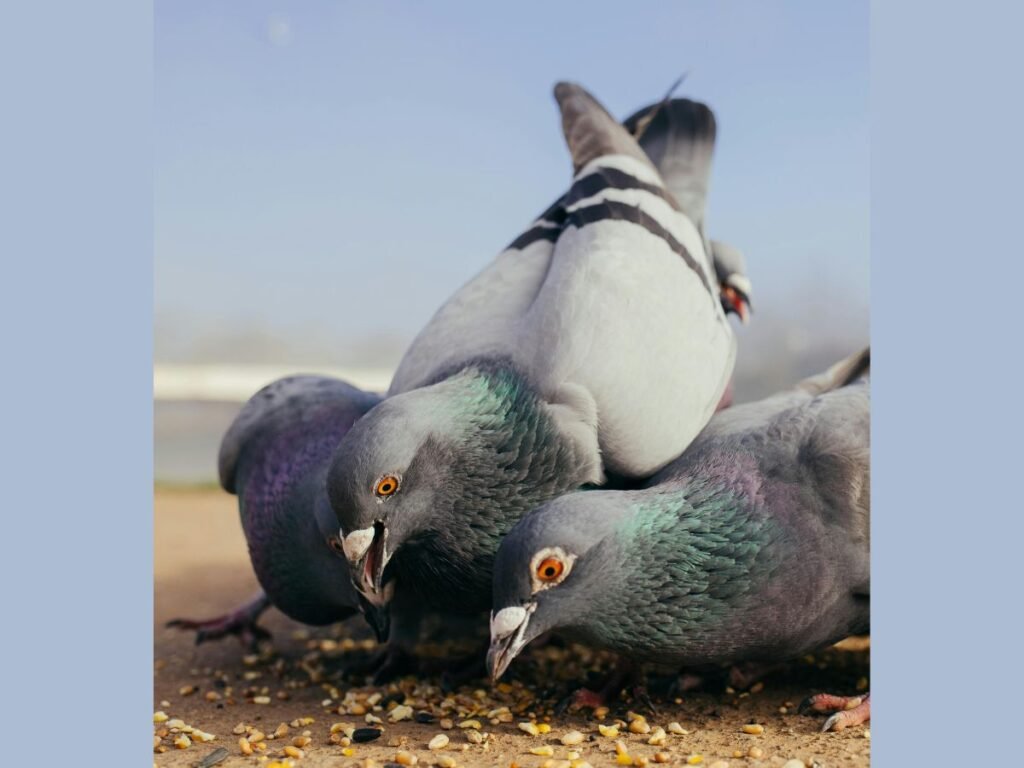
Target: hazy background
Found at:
x=327, y=173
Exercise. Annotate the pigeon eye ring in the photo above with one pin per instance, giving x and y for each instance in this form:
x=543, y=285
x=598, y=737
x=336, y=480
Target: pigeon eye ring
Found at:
x=386, y=485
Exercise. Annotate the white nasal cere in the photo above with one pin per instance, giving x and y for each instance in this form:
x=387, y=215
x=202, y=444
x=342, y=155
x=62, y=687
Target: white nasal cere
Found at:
x=357, y=542
x=506, y=621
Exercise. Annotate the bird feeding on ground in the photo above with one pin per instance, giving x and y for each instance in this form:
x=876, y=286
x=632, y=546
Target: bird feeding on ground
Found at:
x=753, y=545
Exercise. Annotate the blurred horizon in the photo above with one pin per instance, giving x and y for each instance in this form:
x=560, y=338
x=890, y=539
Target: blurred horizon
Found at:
x=328, y=174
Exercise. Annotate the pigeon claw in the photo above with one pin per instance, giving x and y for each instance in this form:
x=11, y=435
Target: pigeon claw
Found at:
x=242, y=623
x=847, y=710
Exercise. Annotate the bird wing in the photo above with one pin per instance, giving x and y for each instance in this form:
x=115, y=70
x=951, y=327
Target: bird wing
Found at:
x=283, y=404
x=815, y=437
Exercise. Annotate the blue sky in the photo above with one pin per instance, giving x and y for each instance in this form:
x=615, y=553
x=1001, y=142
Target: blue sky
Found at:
x=332, y=171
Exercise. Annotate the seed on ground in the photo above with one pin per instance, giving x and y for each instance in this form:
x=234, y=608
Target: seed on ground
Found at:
x=446, y=723
x=639, y=726
x=695, y=759
x=301, y=741
x=211, y=696
x=401, y=712
x=255, y=736
x=202, y=736
x=543, y=728
x=438, y=742
x=544, y=751
x=244, y=746
x=794, y=763
x=754, y=729
x=261, y=700
x=239, y=729
x=294, y=752
x=446, y=761
x=620, y=748
x=281, y=731
x=571, y=738
x=622, y=759
x=677, y=729
x=360, y=735
x=662, y=757
x=160, y=717
x=183, y=742
x=475, y=724
x=405, y=758
x=474, y=737
x=658, y=737
x=216, y=757
x=530, y=728
x=187, y=690
x=609, y=731
x=755, y=752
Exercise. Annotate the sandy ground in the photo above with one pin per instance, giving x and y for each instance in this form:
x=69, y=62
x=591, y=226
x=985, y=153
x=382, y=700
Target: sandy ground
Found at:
x=202, y=570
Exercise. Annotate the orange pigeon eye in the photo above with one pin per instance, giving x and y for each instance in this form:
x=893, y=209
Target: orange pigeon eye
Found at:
x=550, y=569
x=386, y=486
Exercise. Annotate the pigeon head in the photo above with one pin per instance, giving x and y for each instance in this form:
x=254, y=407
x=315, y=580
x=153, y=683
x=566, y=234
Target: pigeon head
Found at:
x=385, y=481
x=402, y=469
x=552, y=569
x=733, y=283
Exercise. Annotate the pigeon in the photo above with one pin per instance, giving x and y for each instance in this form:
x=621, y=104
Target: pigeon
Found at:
x=753, y=545
x=274, y=457
x=594, y=347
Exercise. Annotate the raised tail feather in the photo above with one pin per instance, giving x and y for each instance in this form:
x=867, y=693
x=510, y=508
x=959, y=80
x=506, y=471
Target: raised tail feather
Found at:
x=843, y=373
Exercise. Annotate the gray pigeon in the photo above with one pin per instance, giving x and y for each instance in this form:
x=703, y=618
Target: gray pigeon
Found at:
x=753, y=545
x=595, y=345
x=275, y=457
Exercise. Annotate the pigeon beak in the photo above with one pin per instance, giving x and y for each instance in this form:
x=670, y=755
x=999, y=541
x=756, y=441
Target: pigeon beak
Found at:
x=367, y=553
x=735, y=297
x=508, y=637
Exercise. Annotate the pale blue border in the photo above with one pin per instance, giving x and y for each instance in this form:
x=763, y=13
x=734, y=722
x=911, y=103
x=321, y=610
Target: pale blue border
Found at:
x=947, y=248
x=946, y=287
x=76, y=314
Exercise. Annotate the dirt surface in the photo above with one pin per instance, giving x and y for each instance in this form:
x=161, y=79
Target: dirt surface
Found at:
x=202, y=570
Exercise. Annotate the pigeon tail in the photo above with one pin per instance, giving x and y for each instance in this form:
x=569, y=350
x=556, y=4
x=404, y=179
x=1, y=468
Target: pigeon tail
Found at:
x=590, y=131
x=679, y=138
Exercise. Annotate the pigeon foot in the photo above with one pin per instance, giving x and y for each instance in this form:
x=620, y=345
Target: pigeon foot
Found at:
x=849, y=710
x=242, y=623
x=624, y=674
